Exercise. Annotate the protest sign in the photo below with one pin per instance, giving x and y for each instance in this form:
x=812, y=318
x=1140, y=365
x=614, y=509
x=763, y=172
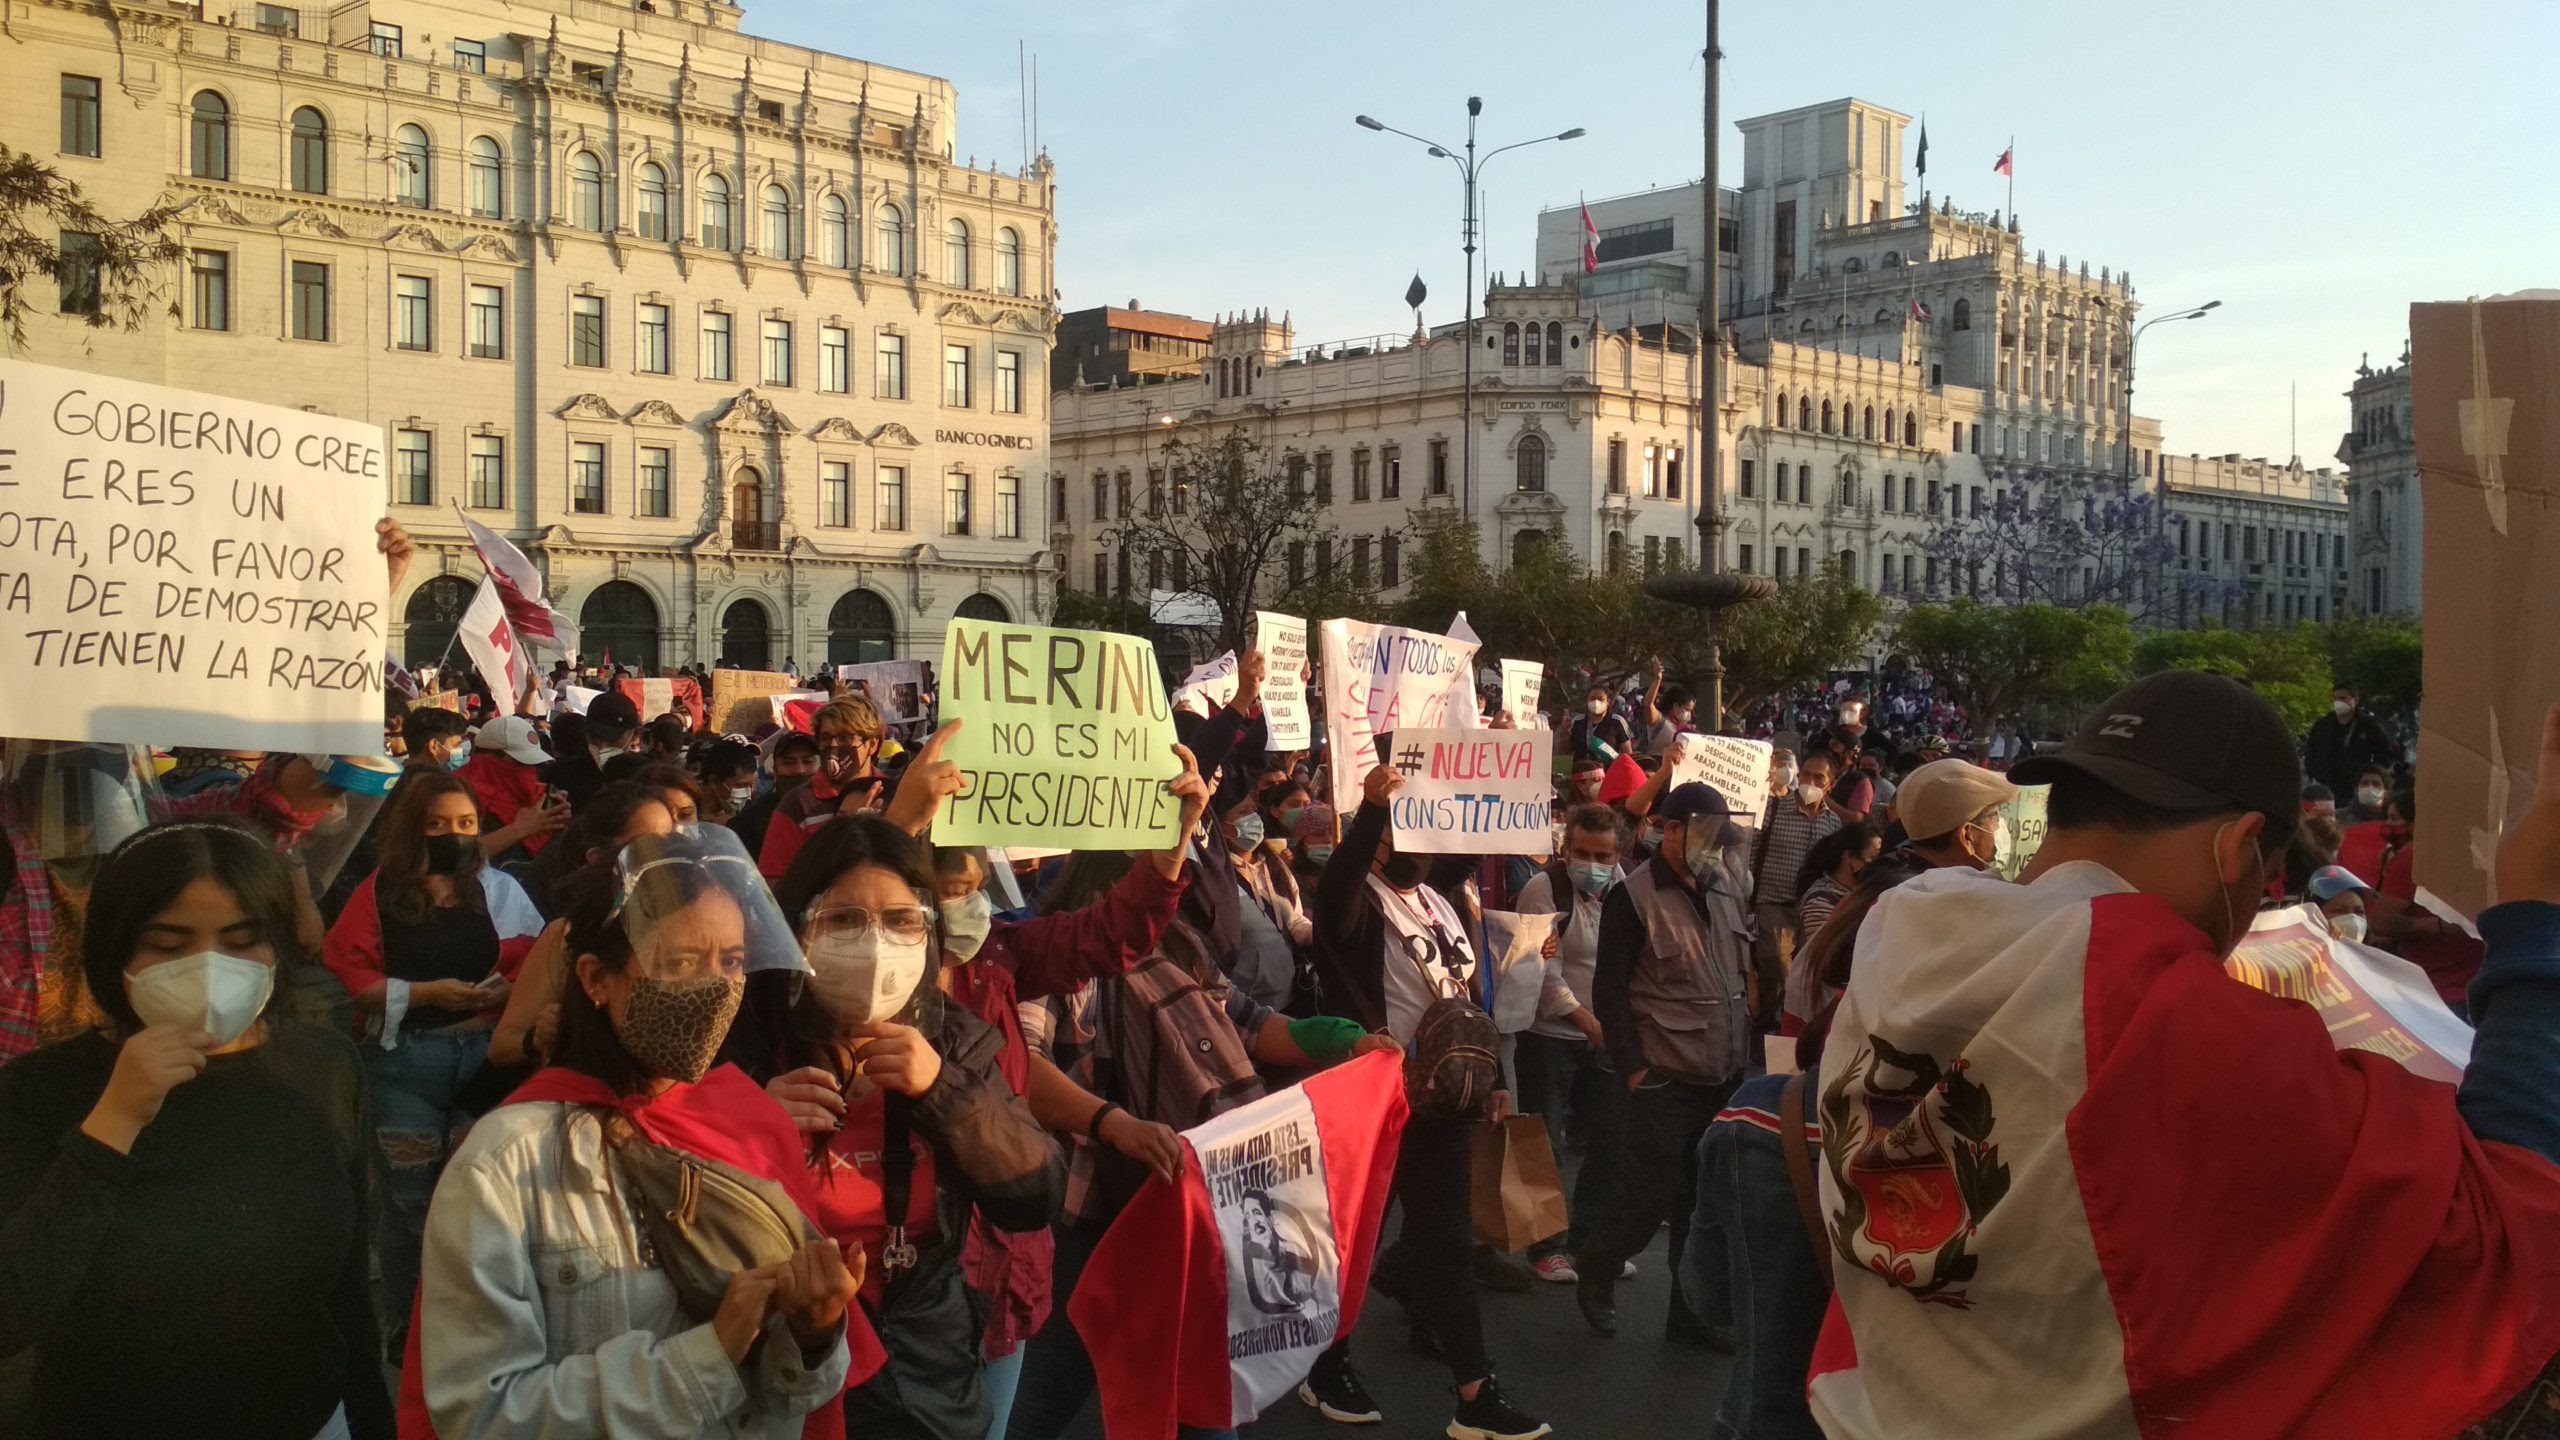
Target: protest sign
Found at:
x=1282, y=639
x=1521, y=681
x=2482, y=375
x=438, y=700
x=576, y=698
x=2369, y=1000
x=1474, y=792
x=740, y=699
x=1737, y=769
x=1209, y=688
x=1511, y=950
x=2025, y=819
x=895, y=688
x=1068, y=739
x=1466, y=700
x=184, y=569
x=1378, y=678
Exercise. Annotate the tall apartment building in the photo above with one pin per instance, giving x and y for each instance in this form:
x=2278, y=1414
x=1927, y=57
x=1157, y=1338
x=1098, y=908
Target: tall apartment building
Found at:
x=719, y=328
x=2387, y=532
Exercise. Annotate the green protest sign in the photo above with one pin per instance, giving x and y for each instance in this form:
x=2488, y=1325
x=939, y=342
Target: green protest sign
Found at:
x=1069, y=740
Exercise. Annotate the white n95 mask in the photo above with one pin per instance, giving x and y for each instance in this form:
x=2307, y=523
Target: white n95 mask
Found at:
x=217, y=993
x=865, y=977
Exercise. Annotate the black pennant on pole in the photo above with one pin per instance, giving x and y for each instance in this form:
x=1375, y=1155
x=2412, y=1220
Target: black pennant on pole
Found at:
x=1417, y=292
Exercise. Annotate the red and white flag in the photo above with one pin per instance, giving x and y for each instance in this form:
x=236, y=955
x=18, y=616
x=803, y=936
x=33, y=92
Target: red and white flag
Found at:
x=1590, y=242
x=520, y=590
x=1921, y=312
x=2066, y=1154
x=489, y=637
x=1211, y=1298
x=2001, y=166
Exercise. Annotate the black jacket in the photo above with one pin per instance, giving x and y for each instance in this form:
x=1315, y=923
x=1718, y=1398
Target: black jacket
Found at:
x=2336, y=752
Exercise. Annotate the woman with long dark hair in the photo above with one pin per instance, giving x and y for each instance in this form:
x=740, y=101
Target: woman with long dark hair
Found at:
x=616, y=816
x=911, y=1123
x=183, y=1191
x=428, y=946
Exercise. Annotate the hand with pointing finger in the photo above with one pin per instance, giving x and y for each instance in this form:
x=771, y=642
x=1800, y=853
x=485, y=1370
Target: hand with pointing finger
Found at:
x=929, y=779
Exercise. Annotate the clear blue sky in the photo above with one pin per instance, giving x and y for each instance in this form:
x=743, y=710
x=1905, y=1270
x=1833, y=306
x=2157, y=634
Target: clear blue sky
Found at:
x=2316, y=165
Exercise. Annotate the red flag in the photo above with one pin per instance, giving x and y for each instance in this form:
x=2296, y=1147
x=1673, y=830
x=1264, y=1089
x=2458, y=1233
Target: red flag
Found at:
x=2001, y=165
x=1590, y=242
x=1211, y=1298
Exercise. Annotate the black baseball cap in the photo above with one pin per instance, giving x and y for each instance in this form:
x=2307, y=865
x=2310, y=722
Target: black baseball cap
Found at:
x=1698, y=801
x=2184, y=740
x=612, y=713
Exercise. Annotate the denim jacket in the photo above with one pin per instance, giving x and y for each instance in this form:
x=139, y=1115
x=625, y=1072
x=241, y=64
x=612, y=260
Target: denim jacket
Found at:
x=539, y=1315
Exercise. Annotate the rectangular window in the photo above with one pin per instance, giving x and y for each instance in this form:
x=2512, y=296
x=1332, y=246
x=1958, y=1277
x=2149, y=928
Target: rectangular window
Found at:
x=955, y=376
x=1008, y=398
x=471, y=56
x=281, y=20
x=385, y=40
x=413, y=470
x=1671, y=556
x=1101, y=497
x=586, y=477
x=81, y=293
x=413, y=309
x=653, y=339
x=1360, y=561
x=1973, y=440
x=657, y=474
x=1008, y=507
x=889, y=368
x=1651, y=485
x=1955, y=446
x=777, y=352
x=1390, y=560
x=955, y=503
x=586, y=331
x=1155, y=492
x=1101, y=575
x=1391, y=473
x=1750, y=481
x=1359, y=476
x=718, y=347
x=1804, y=563
x=209, y=289
x=1671, y=473
x=1439, y=475
x=488, y=489
x=1976, y=511
x=310, y=313
x=835, y=359
x=1653, y=554
x=889, y=497
x=1742, y=559
x=488, y=338
x=1324, y=477
x=80, y=115
x=835, y=494
x=1297, y=562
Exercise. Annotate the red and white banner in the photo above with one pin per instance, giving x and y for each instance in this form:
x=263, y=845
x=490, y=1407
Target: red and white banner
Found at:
x=520, y=590
x=1211, y=1298
x=489, y=637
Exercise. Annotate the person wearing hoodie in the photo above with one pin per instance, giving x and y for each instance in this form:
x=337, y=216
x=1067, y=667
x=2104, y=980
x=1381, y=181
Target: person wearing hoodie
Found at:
x=2078, y=1180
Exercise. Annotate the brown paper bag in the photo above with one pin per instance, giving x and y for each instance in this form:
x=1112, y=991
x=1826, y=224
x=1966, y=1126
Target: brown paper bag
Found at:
x=1519, y=1196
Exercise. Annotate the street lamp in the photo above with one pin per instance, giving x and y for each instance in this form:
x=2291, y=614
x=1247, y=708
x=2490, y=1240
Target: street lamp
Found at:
x=2133, y=341
x=1468, y=169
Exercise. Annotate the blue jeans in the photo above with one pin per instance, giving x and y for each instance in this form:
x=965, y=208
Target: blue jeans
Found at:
x=999, y=1379
x=415, y=1130
x=1746, y=1237
x=1057, y=1373
x=1568, y=1083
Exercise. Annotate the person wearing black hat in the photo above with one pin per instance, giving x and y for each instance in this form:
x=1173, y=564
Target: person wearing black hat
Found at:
x=612, y=721
x=1669, y=989
x=2063, y=1149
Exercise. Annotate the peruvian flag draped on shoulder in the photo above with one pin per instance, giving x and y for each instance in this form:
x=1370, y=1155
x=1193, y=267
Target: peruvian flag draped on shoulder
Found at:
x=1590, y=242
x=2066, y=1155
x=1211, y=1298
x=520, y=591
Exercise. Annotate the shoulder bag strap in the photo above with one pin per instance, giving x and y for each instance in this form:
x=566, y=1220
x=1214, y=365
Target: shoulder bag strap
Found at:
x=1799, y=1156
x=897, y=1185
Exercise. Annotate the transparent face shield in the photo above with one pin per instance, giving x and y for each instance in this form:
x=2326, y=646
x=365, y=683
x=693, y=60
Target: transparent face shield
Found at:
x=695, y=908
x=78, y=801
x=357, y=787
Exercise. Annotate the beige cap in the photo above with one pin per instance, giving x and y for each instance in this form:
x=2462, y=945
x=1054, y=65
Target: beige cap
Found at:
x=1944, y=794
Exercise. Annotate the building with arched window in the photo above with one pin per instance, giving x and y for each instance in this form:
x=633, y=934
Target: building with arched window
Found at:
x=679, y=338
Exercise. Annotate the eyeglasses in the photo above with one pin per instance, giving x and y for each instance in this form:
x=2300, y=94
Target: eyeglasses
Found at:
x=906, y=924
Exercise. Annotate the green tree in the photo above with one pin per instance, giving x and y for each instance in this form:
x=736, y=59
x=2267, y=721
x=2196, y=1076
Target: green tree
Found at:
x=2289, y=666
x=1997, y=660
x=2382, y=658
x=1810, y=629
x=1584, y=627
x=57, y=248
x=1077, y=610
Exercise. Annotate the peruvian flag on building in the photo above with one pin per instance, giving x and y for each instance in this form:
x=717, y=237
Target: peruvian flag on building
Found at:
x=2001, y=166
x=520, y=590
x=1211, y=1298
x=1590, y=242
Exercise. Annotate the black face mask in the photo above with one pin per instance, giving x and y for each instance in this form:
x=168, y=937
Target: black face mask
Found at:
x=451, y=854
x=1406, y=871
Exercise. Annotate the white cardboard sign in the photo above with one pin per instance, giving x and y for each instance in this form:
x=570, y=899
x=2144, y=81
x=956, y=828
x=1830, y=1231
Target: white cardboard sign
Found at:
x=1521, y=681
x=185, y=569
x=1474, y=792
x=1738, y=769
x=1282, y=639
x=1379, y=678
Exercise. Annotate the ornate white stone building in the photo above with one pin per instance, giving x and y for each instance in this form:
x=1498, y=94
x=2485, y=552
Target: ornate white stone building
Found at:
x=2387, y=532
x=2258, y=543
x=719, y=328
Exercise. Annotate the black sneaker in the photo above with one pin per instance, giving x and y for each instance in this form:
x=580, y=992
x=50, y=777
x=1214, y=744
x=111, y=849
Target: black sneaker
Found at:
x=1491, y=1417
x=1496, y=1271
x=1335, y=1392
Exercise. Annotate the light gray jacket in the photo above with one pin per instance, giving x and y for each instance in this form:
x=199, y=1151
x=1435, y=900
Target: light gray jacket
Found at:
x=539, y=1317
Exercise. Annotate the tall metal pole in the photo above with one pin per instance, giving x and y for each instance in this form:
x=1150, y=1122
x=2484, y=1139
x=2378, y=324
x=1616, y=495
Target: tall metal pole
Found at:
x=1711, y=359
x=1467, y=399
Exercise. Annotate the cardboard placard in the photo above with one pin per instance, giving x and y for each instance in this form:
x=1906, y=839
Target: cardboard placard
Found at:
x=2025, y=816
x=2483, y=375
x=740, y=703
x=896, y=688
x=184, y=569
x=1474, y=792
x=1521, y=682
x=1737, y=769
x=1379, y=678
x=2370, y=1000
x=1282, y=639
x=1067, y=741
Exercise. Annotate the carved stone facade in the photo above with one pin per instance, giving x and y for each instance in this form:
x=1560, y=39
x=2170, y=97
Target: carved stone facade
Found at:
x=719, y=329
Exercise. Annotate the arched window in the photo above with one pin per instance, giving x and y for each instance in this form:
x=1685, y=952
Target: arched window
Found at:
x=1008, y=261
x=1804, y=412
x=1869, y=423
x=746, y=495
x=779, y=241
x=413, y=168
x=1555, y=342
x=716, y=233
x=889, y=241
x=1964, y=314
x=1910, y=428
x=209, y=137
x=651, y=211
x=1893, y=260
x=835, y=232
x=310, y=152
x=983, y=606
x=860, y=629
x=586, y=191
x=488, y=179
x=1826, y=417
x=746, y=635
x=619, y=619
x=1511, y=343
x=1531, y=470
x=955, y=253
x=1783, y=416
x=1533, y=353
x=1852, y=265
x=1524, y=546
x=434, y=614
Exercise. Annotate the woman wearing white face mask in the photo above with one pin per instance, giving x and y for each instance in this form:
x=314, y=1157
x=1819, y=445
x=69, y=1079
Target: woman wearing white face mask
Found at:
x=183, y=1193
x=2341, y=898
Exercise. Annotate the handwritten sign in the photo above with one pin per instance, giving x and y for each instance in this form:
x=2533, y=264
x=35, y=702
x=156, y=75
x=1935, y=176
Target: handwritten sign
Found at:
x=2370, y=1000
x=1738, y=769
x=1521, y=681
x=1282, y=639
x=186, y=569
x=2025, y=816
x=1473, y=792
x=740, y=699
x=1378, y=678
x=1068, y=739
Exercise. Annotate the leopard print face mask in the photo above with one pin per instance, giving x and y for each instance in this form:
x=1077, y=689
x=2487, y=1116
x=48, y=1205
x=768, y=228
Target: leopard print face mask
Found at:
x=674, y=1027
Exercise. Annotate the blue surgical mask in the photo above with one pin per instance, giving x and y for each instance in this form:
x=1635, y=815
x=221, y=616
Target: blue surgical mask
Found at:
x=1319, y=854
x=1248, y=833
x=1591, y=879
